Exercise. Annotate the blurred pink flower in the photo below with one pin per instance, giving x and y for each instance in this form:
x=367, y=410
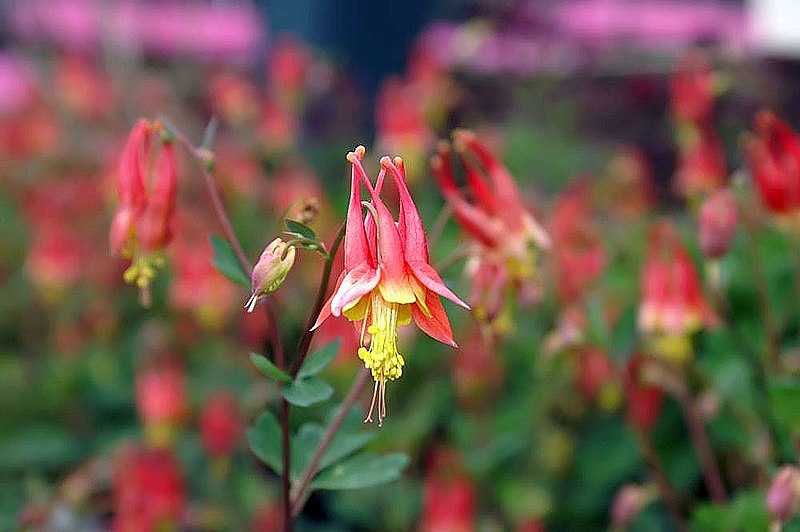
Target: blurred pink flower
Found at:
x=233, y=30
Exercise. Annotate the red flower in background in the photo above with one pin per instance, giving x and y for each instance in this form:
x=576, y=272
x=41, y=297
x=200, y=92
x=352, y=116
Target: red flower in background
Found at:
x=643, y=401
x=672, y=305
x=506, y=239
x=142, y=225
x=701, y=165
x=161, y=400
x=578, y=249
x=716, y=222
x=692, y=90
x=449, y=501
x=149, y=490
x=220, y=424
x=774, y=157
x=596, y=378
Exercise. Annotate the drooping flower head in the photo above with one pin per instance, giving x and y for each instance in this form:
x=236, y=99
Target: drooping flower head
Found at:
x=692, y=89
x=673, y=306
x=505, y=238
x=578, y=251
x=774, y=157
x=387, y=278
x=146, y=188
x=701, y=165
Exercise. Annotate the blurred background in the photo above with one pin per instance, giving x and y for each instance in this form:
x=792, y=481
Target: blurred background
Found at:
x=500, y=435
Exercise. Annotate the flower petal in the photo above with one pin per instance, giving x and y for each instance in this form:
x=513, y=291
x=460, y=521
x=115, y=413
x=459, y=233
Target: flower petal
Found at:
x=325, y=311
x=356, y=283
x=356, y=251
x=415, y=244
x=430, y=278
x=437, y=325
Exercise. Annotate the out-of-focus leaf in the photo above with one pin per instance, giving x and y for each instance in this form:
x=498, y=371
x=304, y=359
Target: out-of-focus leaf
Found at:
x=361, y=471
x=265, y=440
x=226, y=263
x=623, y=336
x=317, y=361
x=269, y=369
x=300, y=229
x=39, y=446
x=307, y=391
x=746, y=512
x=784, y=397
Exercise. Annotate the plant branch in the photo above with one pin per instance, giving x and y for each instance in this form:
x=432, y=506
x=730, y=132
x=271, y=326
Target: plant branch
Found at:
x=202, y=157
x=665, y=487
x=700, y=442
x=308, y=334
x=299, y=496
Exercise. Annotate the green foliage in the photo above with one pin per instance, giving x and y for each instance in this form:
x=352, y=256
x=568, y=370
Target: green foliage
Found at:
x=226, y=263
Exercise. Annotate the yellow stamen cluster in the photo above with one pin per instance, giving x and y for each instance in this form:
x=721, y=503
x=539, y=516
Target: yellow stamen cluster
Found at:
x=382, y=357
x=143, y=269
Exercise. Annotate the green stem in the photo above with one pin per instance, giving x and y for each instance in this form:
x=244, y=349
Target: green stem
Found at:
x=299, y=495
x=308, y=334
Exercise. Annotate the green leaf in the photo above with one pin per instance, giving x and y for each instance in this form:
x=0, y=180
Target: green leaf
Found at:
x=316, y=362
x=361, y=471
x=343, y=445
x=269, y=369
x=301, y=230
x=265, y=440
x=226, y=263
x=307, y=391
x=784, y=396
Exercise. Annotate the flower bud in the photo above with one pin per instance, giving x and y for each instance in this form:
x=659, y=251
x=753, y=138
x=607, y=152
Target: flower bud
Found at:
x=784, y=493
x=270, y=271
x=629, y=501
x=717, y=223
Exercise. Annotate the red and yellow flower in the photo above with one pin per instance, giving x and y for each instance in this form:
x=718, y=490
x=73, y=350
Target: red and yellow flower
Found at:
x=387, y=278
x=506, y=240
x=142, y=225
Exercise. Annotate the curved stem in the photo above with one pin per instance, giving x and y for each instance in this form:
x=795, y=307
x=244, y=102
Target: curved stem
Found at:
x=308, y=334
x=201, y=158
x=299, y=495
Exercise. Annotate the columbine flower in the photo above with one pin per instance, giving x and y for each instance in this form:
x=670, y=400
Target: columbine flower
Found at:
x=387, y=277
x=270, y=271
x=142, y=225
x=701, y=165
x=578, y=250
x=673, y=306
x=161, y=401
x=774, y=157
x=692, y=88
x=506, y=239
x=716, y=223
